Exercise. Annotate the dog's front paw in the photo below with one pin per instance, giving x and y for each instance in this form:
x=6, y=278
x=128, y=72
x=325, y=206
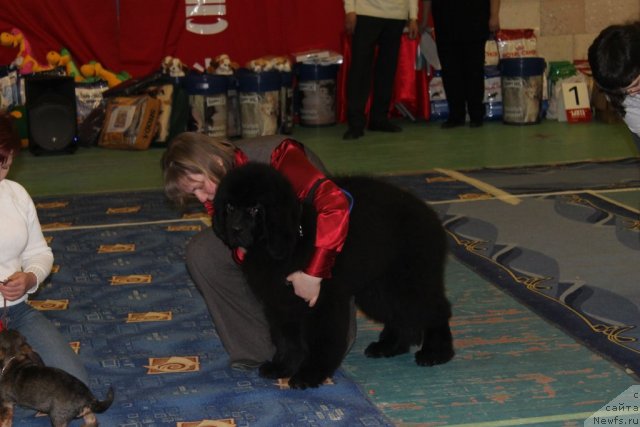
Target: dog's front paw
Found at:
x=306, y=379
x=432, y=358
x=273, y=371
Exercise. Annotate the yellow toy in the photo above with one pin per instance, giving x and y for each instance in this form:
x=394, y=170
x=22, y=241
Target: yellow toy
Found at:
x=63, y=59
x=95, y=69
x=25, y=62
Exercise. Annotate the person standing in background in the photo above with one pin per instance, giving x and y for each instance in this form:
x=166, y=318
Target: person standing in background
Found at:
x=375, y=23
x=462, y=28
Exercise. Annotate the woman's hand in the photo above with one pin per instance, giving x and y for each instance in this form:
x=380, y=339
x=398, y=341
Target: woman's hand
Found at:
x=494, y=24
x=17, y=285
x=350, y=22
x=305, y=286
x=413, y=29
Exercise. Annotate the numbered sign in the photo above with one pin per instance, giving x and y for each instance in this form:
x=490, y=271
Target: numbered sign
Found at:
x=575, y=97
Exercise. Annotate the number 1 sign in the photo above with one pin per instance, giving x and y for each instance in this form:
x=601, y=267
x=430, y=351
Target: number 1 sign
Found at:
x=576, y=102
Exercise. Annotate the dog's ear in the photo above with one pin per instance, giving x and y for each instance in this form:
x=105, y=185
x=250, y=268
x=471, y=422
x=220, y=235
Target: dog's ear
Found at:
x=25, y=351
x=28, y=353
x=218, y=222
x=5, y=344
x=13, y=343
x=220, y=217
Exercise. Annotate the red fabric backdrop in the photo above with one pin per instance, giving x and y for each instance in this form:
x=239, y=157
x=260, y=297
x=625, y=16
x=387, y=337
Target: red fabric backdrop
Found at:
x=135, y=35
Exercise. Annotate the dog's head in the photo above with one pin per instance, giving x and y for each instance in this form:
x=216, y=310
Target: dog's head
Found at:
x=255, y=205
x=14, y=346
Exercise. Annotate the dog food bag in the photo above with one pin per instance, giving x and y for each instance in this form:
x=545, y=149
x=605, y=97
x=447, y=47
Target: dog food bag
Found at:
x=130, y=122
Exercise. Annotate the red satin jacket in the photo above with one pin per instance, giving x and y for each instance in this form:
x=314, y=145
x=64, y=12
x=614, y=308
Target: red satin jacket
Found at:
x=329, y=201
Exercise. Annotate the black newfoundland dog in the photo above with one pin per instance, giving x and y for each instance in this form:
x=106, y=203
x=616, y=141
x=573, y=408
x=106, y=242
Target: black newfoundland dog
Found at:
x=392, y=263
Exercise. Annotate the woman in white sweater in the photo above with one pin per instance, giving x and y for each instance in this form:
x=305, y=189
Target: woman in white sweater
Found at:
x=25, y=262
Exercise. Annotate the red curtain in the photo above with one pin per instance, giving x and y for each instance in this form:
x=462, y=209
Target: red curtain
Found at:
x=134, y=35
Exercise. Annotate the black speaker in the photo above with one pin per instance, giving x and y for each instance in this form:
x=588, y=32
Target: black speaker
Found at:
x=51, y=114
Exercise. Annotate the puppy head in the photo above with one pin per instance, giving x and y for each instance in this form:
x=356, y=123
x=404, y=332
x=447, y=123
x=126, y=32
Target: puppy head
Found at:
x=14, y=345
x=254, y=206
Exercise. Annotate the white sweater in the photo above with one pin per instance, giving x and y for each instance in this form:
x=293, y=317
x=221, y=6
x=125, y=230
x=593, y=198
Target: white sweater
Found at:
x=22, y=245
x=391, y=9
x=631, y=106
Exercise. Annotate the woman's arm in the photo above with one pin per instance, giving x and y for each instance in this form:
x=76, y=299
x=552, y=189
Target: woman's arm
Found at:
x=332, y=207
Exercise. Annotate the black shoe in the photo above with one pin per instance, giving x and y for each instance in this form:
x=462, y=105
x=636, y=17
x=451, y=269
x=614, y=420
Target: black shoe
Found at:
x=352, y=134
x=475, y=123
x=384, y=126
x=452, y=124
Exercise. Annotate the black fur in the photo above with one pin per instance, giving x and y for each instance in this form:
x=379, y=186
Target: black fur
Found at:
x=392, y=262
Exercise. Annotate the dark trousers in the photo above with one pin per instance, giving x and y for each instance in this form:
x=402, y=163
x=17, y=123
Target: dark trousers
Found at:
x=370, y=32
x=463, y=77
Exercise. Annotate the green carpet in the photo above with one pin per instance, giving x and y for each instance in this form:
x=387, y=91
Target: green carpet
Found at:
x=511, y=368
x=420, y=147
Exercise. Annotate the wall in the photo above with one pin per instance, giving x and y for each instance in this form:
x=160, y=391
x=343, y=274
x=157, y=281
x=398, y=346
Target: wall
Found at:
x=566, y=28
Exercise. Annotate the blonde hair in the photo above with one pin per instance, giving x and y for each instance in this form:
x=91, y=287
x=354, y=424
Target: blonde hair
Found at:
x=194, y=153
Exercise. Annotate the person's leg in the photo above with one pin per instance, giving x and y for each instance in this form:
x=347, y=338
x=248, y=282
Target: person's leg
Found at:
x=452, y=80
x=363, y=44
x=46, y=340
x=238, y=316
x=385, y=69
x=474, y=81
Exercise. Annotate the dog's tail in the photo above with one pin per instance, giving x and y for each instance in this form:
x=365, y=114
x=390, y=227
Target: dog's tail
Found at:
x=99, y=406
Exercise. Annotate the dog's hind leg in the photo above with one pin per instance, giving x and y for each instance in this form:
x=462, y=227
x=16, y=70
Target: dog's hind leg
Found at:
x=6, y=414
x=90, y=420
x=437, y=344
x=392, y=342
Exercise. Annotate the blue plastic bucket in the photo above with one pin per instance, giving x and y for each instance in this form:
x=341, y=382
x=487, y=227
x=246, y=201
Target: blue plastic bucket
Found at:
x=207, y=103
x=522, y=83
x=317, y=94
x=259, y=95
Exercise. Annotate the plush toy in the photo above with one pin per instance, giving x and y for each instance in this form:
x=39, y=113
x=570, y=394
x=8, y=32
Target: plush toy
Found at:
x=270, y=63
x=95, y=69
x=280, y=63
x=24, y=62
x=259, y=65
x=223, y=65
x=64, y=59
x=173, y=67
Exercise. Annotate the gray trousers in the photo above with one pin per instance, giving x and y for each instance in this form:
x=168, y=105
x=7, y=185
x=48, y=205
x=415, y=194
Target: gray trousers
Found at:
x=237, y=314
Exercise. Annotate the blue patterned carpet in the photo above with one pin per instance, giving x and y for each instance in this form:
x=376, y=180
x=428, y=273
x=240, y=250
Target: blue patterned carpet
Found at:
x=121, y=293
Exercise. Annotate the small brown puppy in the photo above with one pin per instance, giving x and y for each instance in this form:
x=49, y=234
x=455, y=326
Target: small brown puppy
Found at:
x=25, y=381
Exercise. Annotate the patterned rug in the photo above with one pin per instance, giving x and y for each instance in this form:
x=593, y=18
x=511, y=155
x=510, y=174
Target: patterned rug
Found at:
x=121, y=294
x=555, y=238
